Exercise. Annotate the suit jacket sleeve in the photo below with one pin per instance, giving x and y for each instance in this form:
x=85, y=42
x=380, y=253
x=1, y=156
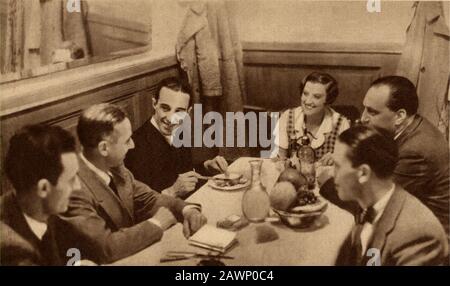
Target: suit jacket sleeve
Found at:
x=422, y=251
x=86, y=230
x=148, y=201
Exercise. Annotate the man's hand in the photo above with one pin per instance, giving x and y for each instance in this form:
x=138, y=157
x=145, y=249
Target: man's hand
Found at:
x=193, y=221
x=218, y=164
x=165, y=217
x=324, y=173
x=185, y=183
x=327, y=160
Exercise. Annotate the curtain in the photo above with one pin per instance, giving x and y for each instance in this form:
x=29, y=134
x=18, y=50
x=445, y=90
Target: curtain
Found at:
x=425, y=61
x=13, y=56
x=210, y=52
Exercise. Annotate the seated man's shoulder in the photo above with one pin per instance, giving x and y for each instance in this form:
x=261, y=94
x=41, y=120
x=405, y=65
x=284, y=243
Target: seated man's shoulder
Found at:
x=418, y=220
x=14, y=249
x=425, y=139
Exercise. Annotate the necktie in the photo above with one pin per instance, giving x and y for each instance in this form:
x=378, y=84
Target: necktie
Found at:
x=113, y=186
x=367, y=215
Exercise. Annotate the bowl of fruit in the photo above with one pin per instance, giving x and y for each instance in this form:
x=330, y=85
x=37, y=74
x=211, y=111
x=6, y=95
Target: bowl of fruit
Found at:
x=296, y=205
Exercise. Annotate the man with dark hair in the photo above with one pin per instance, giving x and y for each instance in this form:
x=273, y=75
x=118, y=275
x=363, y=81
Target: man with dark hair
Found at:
x=114, y=215
x=155, y=161
x=42, y=166
x=423, y=167
x=392, y=227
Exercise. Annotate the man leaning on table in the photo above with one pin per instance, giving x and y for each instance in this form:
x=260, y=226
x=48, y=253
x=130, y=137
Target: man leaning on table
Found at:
x=155, y=160
x=392, y=226
x=114, y=215
x=422, y=169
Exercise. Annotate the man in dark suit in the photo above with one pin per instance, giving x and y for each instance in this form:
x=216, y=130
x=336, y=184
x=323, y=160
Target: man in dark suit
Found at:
x=392, y=226
x=155, y=160
x=113, y=215
x=42, y=165
x=423, y=167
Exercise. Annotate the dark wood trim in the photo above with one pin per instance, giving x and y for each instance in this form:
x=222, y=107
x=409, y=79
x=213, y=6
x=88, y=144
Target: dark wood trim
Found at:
x=352, y=48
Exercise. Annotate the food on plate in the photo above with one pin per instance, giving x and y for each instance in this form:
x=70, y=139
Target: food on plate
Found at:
x=294, y=177
x=283, y=196
x=231, y=180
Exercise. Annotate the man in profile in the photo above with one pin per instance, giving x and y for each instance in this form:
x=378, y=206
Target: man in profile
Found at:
x=422, y=169
x=155, y=161
x=113, y=215
x=392, y=226
x=42, y=166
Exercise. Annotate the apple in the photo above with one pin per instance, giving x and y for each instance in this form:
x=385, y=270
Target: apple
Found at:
x=283, y=196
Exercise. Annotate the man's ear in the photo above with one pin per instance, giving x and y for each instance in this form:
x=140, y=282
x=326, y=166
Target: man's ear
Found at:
x=400, y=117
x=103, y=148
x=44, y=187
x=364, y=173
x=154, y=102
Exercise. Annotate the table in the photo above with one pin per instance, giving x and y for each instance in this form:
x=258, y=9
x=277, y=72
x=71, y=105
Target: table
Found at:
x=318, y=245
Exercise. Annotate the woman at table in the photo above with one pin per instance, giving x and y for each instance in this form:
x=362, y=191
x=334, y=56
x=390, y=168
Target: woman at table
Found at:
x=314, y=117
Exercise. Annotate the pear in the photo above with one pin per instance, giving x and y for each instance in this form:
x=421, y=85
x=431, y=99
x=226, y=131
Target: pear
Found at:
x=294, y=177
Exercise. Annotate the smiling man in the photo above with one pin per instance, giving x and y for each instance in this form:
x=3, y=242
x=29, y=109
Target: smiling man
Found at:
x=155, y=161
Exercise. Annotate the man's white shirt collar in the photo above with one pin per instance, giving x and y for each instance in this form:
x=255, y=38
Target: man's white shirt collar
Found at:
x=104, y=176
x=368, y=228
x=37, y=227
x=382, y=203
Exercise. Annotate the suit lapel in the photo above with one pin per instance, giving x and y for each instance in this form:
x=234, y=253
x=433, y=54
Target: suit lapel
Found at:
x=388, y=219
x=111, y=204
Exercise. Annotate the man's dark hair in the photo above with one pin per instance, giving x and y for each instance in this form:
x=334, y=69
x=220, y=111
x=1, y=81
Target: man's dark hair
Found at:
x=174, y=84
x=372, y=147
x=97, y=122
x=35, y=153
x=331, y=85
x=403, y=93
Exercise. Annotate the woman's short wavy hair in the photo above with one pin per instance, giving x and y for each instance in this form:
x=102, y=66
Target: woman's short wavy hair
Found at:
x=331, y=85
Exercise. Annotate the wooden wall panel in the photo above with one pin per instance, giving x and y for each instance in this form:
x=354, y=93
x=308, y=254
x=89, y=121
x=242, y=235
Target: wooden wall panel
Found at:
x=273, y=71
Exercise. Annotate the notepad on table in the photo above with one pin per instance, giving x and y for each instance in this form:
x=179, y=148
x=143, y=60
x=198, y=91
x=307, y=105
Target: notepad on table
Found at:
x=213, y=238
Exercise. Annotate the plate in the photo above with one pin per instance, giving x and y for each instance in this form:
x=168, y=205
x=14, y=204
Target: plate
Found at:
x=213, y=184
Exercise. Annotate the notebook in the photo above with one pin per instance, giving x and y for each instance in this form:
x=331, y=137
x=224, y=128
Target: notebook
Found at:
x=213, y=238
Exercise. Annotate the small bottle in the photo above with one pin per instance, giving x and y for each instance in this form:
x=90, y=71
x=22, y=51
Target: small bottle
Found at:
x=307, y=158
x=255, y=201
x=293, y=161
